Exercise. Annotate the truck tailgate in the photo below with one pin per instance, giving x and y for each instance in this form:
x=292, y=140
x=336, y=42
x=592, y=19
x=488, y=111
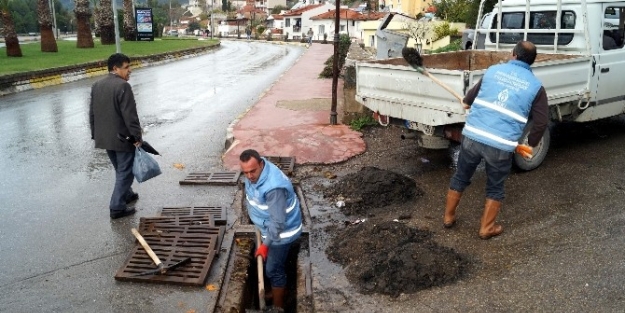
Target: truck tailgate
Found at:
x=564, y=79
x=402, y=92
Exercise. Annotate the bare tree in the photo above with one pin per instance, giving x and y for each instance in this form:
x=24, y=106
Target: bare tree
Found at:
x=130, y=28
x=106, y=23
x=82, y=12
x=48, y=42
x=420, y=31
x=10, y=36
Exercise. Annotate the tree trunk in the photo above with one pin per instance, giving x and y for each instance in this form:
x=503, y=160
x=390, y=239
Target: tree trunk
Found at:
x=10, y=36
x=106, y=22
x=48, y=42
x=130, y=29
x=84, y=38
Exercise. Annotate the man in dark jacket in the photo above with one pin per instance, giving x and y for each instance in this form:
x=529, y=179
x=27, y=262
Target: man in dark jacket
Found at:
x=113, y=110
x=501, y=103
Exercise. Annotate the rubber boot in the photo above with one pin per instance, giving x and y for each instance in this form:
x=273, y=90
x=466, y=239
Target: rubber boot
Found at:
x=278, y=297
x=488, y=228
x=453, y=199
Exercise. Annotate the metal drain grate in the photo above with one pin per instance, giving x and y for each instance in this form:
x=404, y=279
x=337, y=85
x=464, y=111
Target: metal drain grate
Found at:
x=174, y=248
x=157, y=231
x=205, y=219
x=217, y=212
x=212, y=178
x=286, y=164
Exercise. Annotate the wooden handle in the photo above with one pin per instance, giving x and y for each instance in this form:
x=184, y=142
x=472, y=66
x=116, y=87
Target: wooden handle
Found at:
x=147, y=248
x=440, y=83
x=261, y=275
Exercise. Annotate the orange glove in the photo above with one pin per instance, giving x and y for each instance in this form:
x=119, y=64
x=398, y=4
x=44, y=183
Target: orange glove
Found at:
x=262, y=251
x=524, y=150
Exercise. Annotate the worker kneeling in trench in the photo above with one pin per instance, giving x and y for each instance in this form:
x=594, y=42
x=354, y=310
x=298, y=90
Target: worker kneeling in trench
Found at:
x=274, y=208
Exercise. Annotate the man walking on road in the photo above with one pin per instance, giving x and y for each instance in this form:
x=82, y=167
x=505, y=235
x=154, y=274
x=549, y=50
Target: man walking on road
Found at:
x=274, y=209
x=500, y=103
x=112, y=111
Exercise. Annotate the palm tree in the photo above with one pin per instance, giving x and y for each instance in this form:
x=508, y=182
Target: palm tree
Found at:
x=129, y=22
x=82, y=12
x=48, y=42
x=10, y=36
x=106, y=23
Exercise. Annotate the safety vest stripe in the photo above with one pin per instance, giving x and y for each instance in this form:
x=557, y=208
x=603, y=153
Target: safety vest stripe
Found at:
x=258, y=205
x=500, y=109
x=289, y=209
x=288, y=234
x=266, y=207
x=491, y=136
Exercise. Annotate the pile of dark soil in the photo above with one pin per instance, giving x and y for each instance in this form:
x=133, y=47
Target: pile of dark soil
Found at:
x=372, y=187
x=392, y=258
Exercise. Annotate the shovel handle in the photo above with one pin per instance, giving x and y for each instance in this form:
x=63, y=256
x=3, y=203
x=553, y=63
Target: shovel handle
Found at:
x=261, y=275
x=445, y=86
x=147, y=248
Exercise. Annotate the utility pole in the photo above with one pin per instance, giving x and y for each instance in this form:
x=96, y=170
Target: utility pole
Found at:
x=212, y=11
x=335, y=64
x=171, y=20
x=118, y=46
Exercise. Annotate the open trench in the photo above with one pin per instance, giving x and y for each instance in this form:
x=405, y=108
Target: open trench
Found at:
x=240, y=289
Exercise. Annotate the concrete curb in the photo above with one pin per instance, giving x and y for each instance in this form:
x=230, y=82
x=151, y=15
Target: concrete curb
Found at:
x=14, y=83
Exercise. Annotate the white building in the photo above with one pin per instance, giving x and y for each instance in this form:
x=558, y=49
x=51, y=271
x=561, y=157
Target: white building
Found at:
x=351, y=23
x=297, y=22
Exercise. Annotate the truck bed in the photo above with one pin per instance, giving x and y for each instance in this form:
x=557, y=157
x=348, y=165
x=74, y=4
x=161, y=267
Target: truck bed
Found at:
x=392, y=87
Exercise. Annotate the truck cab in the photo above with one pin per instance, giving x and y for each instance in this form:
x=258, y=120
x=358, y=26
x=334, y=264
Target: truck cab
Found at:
x=468, y=34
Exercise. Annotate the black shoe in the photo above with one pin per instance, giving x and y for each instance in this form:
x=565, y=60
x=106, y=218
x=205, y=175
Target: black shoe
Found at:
x=134, y=197
x=126, y=212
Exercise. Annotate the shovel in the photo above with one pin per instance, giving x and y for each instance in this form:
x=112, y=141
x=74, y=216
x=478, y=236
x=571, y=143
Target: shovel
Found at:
x=412, y=56
x=160, y=267
x=261, y=275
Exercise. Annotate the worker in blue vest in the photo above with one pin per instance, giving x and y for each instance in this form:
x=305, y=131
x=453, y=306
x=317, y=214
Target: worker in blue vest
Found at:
x=273, y=207
x=500, y=105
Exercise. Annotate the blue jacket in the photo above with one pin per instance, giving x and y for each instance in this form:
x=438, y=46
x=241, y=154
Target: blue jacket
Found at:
x=502, y=106
x=273, y=178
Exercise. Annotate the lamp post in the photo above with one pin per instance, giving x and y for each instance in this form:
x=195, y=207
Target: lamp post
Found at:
x=118, y=46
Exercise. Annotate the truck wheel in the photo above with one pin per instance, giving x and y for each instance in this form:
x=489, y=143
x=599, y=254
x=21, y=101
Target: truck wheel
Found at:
x=539, y=152
x=468, y=45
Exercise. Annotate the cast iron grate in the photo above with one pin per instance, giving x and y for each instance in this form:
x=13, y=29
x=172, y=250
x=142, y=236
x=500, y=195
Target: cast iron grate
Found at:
x=170, y=249
x=163, y=230
x=286, y=164
x=212, y=178
x=181, y=220
x=217, y=212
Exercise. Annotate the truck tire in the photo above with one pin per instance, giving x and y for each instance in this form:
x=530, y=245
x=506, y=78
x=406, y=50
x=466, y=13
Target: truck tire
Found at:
x=468, y=45
x=539, y=152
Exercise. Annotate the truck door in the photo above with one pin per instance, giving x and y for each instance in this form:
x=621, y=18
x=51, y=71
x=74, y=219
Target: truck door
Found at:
x=611, y=62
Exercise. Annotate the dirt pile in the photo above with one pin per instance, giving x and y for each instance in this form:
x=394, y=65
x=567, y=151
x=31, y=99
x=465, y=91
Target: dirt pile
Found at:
x=372, y=187
x=392, y=258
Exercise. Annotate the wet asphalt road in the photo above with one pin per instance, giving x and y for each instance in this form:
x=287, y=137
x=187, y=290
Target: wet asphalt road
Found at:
x=59, y=250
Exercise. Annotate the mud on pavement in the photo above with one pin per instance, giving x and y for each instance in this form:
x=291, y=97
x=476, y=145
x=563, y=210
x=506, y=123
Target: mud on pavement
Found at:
x=562, y=229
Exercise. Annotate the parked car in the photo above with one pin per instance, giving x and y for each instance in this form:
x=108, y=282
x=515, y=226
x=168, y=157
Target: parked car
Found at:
x=173, y=33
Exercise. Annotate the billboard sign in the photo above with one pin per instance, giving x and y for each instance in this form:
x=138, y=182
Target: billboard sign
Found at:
x=144, y=24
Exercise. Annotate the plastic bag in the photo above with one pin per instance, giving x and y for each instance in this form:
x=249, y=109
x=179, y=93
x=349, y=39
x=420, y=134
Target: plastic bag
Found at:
x=144, y=166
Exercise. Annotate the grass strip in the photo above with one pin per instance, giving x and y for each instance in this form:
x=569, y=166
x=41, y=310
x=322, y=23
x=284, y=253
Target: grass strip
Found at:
x=33, y=59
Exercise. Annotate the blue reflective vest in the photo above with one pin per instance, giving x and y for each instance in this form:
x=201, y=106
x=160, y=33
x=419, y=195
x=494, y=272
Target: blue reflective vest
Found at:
x=500, y=110
x=272, y=178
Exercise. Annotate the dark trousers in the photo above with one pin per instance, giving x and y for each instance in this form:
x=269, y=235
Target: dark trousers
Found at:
x=498, y=164
x=122, y=162
x=275, y=265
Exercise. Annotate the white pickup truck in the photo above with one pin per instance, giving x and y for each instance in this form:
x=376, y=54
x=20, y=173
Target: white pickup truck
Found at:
x=583, y=79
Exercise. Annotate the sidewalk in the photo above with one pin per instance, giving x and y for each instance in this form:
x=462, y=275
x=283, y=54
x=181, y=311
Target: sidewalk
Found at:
x=293, y=118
